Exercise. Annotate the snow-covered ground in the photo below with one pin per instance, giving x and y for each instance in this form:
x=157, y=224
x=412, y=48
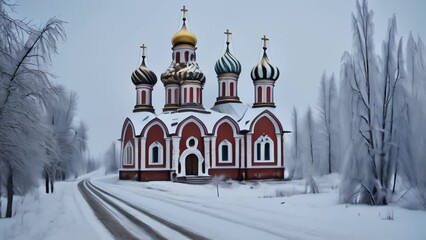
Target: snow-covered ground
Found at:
x=243, y=210
x=61, y=215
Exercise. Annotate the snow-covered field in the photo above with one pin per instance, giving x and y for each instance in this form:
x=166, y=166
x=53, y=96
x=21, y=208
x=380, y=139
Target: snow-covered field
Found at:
x=243, y=210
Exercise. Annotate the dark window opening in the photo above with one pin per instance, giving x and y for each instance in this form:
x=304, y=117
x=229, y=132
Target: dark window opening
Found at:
x=225, y=156
x=155, y=154
x=267, y=151
x=191, y=142
x=258, y=146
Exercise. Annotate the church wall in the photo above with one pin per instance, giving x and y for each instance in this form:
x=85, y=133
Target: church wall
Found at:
x=225, y=132
x=191, y=130
x=264, y=173
x=155, y=134
x=128, y=137
x=155, y=176
x=264, y=126
x=229, y=173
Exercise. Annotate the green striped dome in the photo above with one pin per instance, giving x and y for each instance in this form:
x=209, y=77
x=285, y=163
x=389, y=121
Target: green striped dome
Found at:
x=227, y=64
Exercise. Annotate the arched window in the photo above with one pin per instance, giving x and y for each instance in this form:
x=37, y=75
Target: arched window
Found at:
x=169, y=96
x=176, y=96
x=128, y=154
x=155, y=154
x=225, y=152
x=264, y=150
x=143, y=97
x=185, y=90
x=198, y=95
x=191, y=94
x=223, y=89
x=177, y=57
x=186, y=56
x=268, y=94
x=259, y=94
x=231, y=89
x=267, y=151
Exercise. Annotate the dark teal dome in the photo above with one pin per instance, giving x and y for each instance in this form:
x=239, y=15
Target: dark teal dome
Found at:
x=227, y=64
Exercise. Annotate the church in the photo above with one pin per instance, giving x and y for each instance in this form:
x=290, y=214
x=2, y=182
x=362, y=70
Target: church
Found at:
x=186, y=140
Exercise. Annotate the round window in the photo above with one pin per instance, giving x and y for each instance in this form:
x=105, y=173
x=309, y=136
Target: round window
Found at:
x=191, y=142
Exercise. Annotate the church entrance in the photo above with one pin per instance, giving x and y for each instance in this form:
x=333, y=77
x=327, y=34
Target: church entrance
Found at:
x=191, y=163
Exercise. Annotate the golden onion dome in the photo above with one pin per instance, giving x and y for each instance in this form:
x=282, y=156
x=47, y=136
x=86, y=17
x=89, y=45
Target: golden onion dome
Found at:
x=184, y=36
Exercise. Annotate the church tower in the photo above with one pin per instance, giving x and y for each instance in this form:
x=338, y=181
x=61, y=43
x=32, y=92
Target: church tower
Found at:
x=228, y=69
x=144, y=80
x=183, y=80
x=264, y=75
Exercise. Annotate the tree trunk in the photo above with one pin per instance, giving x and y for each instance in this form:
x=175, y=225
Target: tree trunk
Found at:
x=46, y=177
x=51, y=185
x=9, y=195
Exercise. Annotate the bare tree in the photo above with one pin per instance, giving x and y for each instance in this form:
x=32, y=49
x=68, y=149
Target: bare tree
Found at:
x=25, y=54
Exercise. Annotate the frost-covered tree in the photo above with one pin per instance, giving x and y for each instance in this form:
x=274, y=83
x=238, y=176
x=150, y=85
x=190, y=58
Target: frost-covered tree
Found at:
x=25, y=55
x=111, y=159
x=328, y=123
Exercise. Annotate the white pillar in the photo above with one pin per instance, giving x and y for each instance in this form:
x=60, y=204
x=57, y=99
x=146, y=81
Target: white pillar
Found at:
x=207, y=154
x=214, y=151
x=175, y=154
x=248, y=157
x=243, y=160
x=237, y=151
x=168, y=153
x=279, y=145
x=121, y=153
x=143, y=149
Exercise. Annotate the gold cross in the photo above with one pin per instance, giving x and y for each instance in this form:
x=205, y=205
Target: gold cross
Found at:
x=184, y=10
x=228, y=36
x=265, y=40
x=143, y=50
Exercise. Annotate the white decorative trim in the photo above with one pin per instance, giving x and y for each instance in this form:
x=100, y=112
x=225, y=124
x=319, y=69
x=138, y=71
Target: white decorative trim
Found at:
x=237, y=152
x=262, y=140
x=168, y=153
x=152, y=124
x=160, y=153
x=195, y=142
x=226, y=120
x=207, y=153
x=213, y=151
x=268, y=116
x=191, y=120
x=136, y=157
x=279, y=146
x=143, y=149
x=175, y=153
x=182, y=161
x=229, y=145
x=243, y=160
x=248, y=157
x=128, y=155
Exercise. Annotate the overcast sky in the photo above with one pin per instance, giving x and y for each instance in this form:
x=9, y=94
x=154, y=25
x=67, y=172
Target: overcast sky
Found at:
x=103, y=39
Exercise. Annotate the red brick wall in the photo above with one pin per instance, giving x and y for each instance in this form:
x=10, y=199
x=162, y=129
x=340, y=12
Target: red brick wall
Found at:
x=191, y=130
x=225, y=131
x=264, y=126
x=155, y=134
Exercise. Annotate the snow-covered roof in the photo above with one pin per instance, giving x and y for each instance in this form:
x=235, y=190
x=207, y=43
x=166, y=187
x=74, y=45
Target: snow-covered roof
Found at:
x=241, y=113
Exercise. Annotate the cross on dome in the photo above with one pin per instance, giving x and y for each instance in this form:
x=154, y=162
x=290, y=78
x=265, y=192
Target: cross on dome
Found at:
x=228, y=36
x=143, y=50
x=265, y=41
x=184, y=10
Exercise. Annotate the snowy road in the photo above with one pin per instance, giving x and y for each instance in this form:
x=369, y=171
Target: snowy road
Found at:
x=127, y=221
x=215, y=221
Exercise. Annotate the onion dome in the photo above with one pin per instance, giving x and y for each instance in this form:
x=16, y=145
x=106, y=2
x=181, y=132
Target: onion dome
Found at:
x=191, y=72
x=264, y=69
x=143, y=75
x=184, y=36
x=170, y=76
x=227, y=64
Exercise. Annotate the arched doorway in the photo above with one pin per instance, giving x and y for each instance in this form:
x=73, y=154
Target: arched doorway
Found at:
x=191, y=165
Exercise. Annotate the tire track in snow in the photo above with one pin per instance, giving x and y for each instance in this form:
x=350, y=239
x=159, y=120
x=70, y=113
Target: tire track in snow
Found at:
x=209, y=213
x=163, y=221
x=112, y=223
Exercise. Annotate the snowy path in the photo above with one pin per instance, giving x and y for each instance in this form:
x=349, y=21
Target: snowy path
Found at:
x=216, y=221
x=123, y=222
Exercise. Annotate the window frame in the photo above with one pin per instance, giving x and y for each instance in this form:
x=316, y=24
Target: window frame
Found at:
x=230, y=156
x=160, y=153
x=262, y=140
x=128, y=149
